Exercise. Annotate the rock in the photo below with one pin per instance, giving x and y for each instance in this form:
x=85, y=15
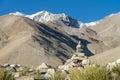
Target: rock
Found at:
x=30, y=70
x=13, y=69
x=42, y=66
x=78, y=46
x=47, y=76
x=85, y=62
x=51, y=71
x=13, y=65
x=110, y=66
x=67, y=77
x=61, y=67
x=118, y=61
x=68, y=61
x=81, y=54
x=20, y=69
x=43, y=71
x=5, y=65
x=66, y=67
x=18, y=65
x=75, y=58
x=25, y=78
x=17, y=74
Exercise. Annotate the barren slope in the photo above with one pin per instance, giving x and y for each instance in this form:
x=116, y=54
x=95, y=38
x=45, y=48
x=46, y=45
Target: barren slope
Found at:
x=107, y=56
x=108, y=30
x=26, y=42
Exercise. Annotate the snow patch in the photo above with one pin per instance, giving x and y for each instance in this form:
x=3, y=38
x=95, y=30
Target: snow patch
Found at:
x=43, y=16
x=92, y=23
x=17, y=14
x=113, y=14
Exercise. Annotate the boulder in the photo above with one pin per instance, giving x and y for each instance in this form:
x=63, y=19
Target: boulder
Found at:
x=51, y=71
x=42, y=66
x=118, y=61
x=13, y=65
x=85, y=62
x=17, y=74
x=47, y=76
x=25, y=78
x=5, y=65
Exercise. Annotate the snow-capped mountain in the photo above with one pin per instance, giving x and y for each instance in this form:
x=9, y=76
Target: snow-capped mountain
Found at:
x=45, y=16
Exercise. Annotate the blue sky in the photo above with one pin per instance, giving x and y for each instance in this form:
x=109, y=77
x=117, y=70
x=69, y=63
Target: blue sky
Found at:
x=83, y=10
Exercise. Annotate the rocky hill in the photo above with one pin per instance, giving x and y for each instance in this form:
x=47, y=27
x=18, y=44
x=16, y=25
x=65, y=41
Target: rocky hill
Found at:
x=27, y=42
x=108, y=30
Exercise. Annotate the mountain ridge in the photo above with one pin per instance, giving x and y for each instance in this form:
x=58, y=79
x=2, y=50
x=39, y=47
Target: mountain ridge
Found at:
x=46, y=13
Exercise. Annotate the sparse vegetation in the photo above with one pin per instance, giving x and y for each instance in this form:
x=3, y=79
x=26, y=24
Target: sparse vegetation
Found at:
x=24, y=72
x=90, y=73
x=6, y=75
x=58, y=76
x=37, y=76
x=95, y=73
x=116, y=73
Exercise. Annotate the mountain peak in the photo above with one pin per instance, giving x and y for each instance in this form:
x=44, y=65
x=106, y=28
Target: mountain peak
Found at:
x=43, y=16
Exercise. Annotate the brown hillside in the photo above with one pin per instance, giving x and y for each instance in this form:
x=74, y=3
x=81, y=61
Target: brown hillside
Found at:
x=26, y=42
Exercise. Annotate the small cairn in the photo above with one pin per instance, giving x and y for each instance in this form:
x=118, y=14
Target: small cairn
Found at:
x=77, y=60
